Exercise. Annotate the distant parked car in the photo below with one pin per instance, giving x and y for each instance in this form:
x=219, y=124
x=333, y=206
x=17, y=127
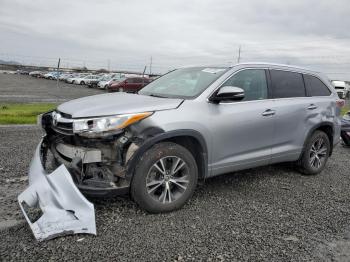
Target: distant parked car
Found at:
x=64, y=76
x=92, y=83
x=22, y=72
x=74, y=77
x=345, y=129
x=35, y=73
x=129, y=85
x=41, y=74
x=342, y=88
x=109, y=79
x=82, y=80
x=52, y=75
x=90, y=78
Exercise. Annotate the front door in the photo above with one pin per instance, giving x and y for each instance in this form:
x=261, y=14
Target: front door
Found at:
x=244, y=129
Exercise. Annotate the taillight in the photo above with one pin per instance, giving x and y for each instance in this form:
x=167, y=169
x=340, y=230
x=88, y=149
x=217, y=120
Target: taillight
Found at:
x=340, y=103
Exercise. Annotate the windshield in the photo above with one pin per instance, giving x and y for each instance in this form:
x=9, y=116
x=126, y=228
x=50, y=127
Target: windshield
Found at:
x=183, y=83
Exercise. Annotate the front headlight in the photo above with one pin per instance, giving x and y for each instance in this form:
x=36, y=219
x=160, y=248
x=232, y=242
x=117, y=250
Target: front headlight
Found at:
x=106, y=124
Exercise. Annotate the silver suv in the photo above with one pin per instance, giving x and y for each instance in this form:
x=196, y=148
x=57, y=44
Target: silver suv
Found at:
x=188, y=125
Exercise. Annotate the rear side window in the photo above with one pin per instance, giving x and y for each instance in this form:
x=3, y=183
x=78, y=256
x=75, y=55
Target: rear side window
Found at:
x=315, y=87
x=287, y=84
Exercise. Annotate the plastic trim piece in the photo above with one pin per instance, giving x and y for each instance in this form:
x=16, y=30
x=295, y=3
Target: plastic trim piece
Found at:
x=64, y=209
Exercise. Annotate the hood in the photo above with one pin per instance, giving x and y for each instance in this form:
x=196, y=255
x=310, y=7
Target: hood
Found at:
x=116, y=103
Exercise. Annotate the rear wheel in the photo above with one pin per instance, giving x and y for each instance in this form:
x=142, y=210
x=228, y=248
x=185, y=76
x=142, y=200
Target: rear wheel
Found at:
x=165, y=178
x=82, y=83
x=315, y=155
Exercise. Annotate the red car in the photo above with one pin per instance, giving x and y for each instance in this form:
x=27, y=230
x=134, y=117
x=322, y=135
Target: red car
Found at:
x=129, y=85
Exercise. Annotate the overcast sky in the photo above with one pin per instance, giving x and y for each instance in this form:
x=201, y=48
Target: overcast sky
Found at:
x=312, y=33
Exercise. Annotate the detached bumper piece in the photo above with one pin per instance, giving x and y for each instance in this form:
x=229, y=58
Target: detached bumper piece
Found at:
x=64, y=209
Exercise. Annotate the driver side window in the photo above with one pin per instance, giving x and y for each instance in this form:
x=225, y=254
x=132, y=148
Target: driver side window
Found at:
x=252, y=81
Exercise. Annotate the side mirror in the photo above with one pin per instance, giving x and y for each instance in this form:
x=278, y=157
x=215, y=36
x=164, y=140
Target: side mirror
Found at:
x=228, y=93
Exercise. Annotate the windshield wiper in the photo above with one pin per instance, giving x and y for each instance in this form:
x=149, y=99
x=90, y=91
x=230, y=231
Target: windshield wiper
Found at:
x=157, y=96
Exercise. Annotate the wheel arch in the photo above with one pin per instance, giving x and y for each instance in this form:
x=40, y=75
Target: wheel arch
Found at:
x=190, y=139
x=326, y=127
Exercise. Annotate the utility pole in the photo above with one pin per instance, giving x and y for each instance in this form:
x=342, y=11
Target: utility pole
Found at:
x=143, y=76
x=239, y=55
x=57, y=72
x=150, y=66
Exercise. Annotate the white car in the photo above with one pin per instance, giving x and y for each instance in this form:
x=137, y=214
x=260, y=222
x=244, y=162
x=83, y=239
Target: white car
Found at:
x=89, y=78
x=78, y=80
x=106, y=80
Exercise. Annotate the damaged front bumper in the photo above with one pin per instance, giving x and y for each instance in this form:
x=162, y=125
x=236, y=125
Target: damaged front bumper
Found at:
x=64, y=209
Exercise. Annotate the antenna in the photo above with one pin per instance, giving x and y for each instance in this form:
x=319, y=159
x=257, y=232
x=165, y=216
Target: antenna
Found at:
x=239, y=55
x=150, y=66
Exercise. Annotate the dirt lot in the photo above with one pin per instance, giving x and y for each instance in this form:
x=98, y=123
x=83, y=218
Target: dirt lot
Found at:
x=24, y=88
x=271, y=213
x=266, y=214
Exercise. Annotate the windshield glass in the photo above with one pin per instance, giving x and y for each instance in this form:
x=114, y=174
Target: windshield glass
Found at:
x=184, y=83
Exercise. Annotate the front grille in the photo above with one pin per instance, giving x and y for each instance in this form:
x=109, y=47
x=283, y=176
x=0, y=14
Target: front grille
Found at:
x=62, y=124
x=66, y=128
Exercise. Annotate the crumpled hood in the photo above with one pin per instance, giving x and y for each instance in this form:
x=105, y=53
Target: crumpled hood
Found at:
x=116, y=103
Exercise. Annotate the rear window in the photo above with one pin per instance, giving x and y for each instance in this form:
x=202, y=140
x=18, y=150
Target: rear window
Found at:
x=287, y=84
x=315, y=87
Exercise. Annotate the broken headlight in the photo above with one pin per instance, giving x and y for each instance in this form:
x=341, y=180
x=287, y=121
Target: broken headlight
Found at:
x=102, y=125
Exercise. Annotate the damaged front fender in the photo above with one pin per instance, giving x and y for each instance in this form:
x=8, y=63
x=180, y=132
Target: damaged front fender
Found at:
x=64, y=209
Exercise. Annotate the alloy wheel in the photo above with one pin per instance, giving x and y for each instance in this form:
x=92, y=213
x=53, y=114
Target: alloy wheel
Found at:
x=318, y=153
x=167, y=179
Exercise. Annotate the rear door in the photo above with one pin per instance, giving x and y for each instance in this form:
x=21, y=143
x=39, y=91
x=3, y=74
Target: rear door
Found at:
x=292, y=119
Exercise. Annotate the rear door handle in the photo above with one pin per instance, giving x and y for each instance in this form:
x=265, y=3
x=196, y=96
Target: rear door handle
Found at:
x=312, y=107
x=268, y=112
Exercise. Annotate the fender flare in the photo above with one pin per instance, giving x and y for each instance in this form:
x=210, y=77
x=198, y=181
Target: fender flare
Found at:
x=148, y=143
x=313, y=129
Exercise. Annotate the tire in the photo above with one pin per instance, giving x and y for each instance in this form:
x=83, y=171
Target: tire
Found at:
x=73, y=82
x=82, y=83
x=308, y=163
x=345, y=138
x=155, y=198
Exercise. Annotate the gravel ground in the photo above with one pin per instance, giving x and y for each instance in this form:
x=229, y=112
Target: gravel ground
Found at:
x=267, y=214
x=24, y=88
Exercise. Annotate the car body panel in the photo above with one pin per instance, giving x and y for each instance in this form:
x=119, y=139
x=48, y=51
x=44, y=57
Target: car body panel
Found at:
x=116, y=103
x=64, y=209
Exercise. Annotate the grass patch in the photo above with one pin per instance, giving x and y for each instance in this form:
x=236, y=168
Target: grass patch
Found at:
x=22, y=113
x=344, y=110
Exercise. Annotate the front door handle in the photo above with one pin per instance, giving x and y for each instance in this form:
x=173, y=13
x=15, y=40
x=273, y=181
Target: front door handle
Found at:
x=312, y=107
x=268, y=112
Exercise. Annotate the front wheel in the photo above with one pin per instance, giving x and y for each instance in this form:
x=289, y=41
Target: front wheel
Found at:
x=165, y=178
x=315, y=155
